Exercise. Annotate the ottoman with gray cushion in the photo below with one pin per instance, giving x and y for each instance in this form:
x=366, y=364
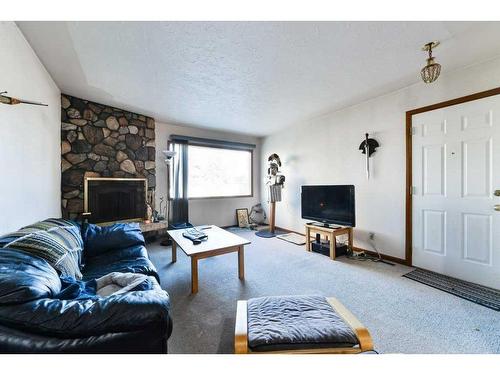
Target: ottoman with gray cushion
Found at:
x=298, y=324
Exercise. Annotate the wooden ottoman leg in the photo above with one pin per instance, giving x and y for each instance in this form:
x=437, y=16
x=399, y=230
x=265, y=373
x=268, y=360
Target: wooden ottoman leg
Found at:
x=364, y=338
x=240, y=329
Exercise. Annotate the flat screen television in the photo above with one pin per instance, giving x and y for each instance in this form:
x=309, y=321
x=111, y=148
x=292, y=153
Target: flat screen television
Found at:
x=329, y=204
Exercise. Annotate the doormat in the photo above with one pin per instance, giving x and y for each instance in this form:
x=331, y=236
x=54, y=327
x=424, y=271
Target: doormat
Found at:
x=297, y=239
x=481, y=295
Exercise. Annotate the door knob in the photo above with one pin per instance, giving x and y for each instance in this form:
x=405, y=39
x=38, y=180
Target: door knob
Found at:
x=497, y=193
x=497, y=207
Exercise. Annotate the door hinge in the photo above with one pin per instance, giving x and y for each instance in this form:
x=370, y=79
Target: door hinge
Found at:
x=413, y=130
x=413, y=190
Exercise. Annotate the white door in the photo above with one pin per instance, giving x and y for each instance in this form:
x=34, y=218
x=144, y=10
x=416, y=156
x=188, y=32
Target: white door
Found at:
x=456, y=173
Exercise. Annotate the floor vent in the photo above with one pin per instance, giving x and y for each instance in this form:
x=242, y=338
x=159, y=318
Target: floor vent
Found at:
x=481, y=295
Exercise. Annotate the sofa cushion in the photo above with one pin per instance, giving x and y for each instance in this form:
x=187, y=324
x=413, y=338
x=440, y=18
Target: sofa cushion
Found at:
x=99, y=240
x=132, y=259
x=58, y=241
x=126, y=312
x=132, y=252
x=24, y=277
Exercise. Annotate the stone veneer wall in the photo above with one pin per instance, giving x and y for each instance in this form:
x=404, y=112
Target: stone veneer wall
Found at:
x=101, y=141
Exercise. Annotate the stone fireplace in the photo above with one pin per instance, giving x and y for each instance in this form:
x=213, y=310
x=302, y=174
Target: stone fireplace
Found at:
x=99, y=141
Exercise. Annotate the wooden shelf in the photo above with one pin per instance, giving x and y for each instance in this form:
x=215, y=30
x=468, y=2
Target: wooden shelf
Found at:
x=330, y=234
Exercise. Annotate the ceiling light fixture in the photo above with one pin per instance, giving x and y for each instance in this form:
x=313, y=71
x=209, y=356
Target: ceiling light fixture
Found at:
x=431, y=71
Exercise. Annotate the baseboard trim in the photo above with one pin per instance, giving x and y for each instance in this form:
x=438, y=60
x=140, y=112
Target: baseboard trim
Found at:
x=390, y=258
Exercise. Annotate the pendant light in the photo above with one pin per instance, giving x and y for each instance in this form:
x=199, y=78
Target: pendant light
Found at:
x=431, y=71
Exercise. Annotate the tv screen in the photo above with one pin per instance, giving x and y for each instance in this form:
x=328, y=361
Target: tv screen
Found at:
x=329, y=204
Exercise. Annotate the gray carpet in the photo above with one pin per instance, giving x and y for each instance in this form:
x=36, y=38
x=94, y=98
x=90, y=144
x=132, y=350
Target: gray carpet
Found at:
x=403, y=316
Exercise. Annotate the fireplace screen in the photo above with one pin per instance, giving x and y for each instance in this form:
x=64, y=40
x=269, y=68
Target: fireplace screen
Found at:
x=115, y=199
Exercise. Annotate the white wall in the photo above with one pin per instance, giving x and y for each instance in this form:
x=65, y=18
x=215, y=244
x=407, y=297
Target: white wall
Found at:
x=218, y=211
x=325, y=151
x=30, y=151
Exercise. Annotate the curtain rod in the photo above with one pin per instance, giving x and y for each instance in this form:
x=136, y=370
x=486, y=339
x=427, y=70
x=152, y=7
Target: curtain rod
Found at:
x=207, y=141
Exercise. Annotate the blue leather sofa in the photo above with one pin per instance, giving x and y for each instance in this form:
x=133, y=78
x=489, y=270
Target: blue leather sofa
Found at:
x=33, y=319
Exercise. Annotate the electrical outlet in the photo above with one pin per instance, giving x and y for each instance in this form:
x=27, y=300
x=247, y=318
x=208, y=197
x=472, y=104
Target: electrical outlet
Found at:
x=371, y=235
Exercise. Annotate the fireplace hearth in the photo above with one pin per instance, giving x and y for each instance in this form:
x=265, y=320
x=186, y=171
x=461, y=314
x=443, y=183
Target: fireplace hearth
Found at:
x=115, y=199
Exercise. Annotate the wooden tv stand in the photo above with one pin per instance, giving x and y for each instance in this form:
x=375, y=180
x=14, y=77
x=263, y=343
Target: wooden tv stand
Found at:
x=330, y=234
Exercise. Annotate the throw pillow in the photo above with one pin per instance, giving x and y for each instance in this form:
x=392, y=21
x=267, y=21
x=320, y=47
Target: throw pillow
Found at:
x=58, y=241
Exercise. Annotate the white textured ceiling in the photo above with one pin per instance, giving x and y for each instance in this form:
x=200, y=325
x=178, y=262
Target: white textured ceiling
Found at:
x=249, y=77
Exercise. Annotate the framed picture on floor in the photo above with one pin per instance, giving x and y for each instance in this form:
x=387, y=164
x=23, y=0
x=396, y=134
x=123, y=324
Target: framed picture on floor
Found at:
x=242, y=217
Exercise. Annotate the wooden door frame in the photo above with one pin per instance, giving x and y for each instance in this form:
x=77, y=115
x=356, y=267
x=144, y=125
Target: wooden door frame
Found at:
x=409, y=165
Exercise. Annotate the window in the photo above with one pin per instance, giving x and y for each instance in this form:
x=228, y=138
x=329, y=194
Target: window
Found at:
x=219, y=172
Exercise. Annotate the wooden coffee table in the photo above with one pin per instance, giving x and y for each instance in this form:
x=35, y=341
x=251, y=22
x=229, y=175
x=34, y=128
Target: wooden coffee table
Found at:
x=219, y=242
